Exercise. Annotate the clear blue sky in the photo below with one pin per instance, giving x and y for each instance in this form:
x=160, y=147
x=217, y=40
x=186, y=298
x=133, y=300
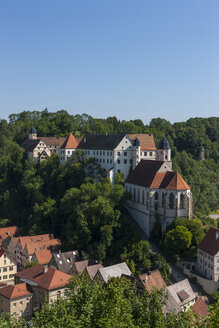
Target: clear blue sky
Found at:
x=129, y=58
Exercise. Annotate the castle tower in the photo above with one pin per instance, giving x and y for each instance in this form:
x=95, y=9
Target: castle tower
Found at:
x=32, y=134
x=164, y=151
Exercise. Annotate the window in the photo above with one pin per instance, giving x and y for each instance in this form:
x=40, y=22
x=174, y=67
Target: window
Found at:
x=97, y=152
x=107, y=160
x=134, y=195
x=151, y=154
x=111, y=161
x=156, y=195
x=94, y=152
x=5, y=277
x=21, y=302
x=11, y=276
x=125, y=161
x=155, y=207
x=125, y=153
x=5, y=269
x=118, y=171
x=68, y=151
x=100, y=160
x=100, y=152
x=171, y=201
x=118, y=153
x=118, y=161
x=141, y=153
x=163, y=200
x=138, y=195
x=182, y=201
x=130, y=161
x=4, y=262
x=107, y=153
x=145, y=153
x=11, y=268
x=103, y=160
x=103, y=152
x=142, y=196
x=111, y=153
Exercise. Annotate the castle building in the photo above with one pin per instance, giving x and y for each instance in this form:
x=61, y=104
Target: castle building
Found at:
x=40, y=148
x=158, y=192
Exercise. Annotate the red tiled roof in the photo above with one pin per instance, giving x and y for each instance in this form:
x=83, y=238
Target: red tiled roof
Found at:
x=31, y=239
x=152, y=280
x=8, y=231
x=14, y=291
x=70, y=142
x=146, y=140
x=52, y=244
x=200, y=308
x=146, y=174
x=210, y=242
x=49, y=280
x=44, y=256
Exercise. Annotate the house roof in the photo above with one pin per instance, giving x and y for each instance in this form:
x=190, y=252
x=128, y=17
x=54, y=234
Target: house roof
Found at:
x=31, y=239
x=200, y=308
x=65, y=260
x=146, y=140
x=146, y=174
x=79, y=266
x=52, y=244
x=91, y=270
x=70, y=142
x=116, y=270
x=8, y=231
x=101, y=141
x=15, y=291
x=210, y=242
x=44, y=256
x=51, y=279
x=181, y=292
x=52, y=141
x=152, y=280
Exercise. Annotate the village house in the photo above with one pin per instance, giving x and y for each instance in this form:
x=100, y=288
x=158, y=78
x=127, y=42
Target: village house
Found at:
x=64, y=261
x=42, y=256
x=16, y=300
x=8, y=231
x=91, y=271
x=8, y=268
x=152, y=280
x=79, y=266
x=113, y=271
x=47, y=284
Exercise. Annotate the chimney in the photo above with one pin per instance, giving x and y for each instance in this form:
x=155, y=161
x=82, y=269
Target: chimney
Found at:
x=217, y=235
x=45, y=268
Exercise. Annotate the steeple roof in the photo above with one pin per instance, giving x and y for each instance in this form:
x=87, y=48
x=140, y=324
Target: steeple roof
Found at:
x=32, y=130
x=164, y=144
x=70, y=142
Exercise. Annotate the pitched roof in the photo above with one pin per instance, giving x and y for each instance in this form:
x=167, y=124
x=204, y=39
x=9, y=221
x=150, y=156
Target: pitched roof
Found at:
x=1, y=252
x=15, y=291
x=65, y=260
x=30, y=144
x=70, y=142
x=52, y=244
x=200, y=308
x=8, y=231
x=210, y=242
x=91, y=270
x=116, y=270
x=52, y=141
x=152, y=280
x=43, y=257
x=79, y=266
x=146, y=140
x=146, y=174
x=50, y=279
x=101, y=141
x=31, y=239
x=181, y=292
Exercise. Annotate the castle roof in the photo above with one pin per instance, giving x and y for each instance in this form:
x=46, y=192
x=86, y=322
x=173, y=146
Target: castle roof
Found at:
x=146, y=140
x=164, y=144
x=210, y=242
x=70, y=142
x=105, y=142
x=146, y=174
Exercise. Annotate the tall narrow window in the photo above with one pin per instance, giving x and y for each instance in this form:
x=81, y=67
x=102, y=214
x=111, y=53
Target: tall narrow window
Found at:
x=134, y=194
x=138, y=195
x=142, y=196
x=182, y=201
x=171, y=201
x=156, y=195
x=163, y=200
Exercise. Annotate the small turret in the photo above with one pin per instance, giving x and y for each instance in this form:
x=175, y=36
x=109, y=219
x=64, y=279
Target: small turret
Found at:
x=136, y=152
x=164, y=151
x=32, y=134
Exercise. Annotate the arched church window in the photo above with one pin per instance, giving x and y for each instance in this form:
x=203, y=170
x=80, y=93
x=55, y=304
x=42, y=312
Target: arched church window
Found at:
x=182, y=201
x=156, y=195
x=134, y=194
x=142, y=196
x=171, y=201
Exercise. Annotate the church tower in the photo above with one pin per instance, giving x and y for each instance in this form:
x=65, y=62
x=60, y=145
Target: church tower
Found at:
x=32, y=134
x=164, y=151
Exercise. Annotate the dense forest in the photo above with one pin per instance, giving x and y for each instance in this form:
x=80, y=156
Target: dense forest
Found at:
x=88, y=215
